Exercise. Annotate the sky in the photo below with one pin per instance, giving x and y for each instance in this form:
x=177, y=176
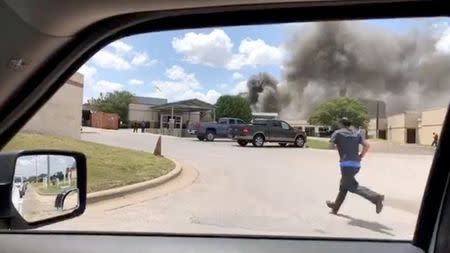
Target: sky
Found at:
x=34, y=165
x=210, y=62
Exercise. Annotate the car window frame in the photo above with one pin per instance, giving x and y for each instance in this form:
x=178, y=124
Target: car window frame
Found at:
x=63, y=63
x=276, y=124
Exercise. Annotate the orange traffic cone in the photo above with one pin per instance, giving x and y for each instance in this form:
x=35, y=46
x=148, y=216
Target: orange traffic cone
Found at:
x=157, y=150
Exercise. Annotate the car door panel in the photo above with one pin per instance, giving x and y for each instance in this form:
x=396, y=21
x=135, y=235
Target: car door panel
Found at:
x=58, y=243
x=286, y=134
x=276, y=132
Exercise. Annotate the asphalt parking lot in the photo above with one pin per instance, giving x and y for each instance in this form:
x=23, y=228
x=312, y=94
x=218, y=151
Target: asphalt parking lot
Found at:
x=269, y=190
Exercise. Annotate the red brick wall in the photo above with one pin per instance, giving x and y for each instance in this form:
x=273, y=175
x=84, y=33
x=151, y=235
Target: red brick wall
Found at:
x=105, y=120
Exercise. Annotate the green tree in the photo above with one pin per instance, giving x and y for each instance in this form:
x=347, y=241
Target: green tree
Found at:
x=233, y=106
x=113, y=102
x=329, y=112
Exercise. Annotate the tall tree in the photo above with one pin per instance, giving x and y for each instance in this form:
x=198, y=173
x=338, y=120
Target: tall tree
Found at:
x=233, y=106
x=329, y=112
x=113, y=102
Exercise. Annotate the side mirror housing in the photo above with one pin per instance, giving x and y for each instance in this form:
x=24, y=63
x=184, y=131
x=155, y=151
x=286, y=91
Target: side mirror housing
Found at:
x=41, y=187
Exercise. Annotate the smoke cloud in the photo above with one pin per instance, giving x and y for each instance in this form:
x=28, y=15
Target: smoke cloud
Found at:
x=263, y=93
x=330, y=59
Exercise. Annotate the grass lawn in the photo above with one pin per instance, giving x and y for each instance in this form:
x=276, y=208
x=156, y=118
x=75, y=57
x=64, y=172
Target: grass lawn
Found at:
x=318, y=144
x=108, y=167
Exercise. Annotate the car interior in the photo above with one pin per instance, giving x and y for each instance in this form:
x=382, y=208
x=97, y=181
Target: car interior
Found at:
x=45, y=42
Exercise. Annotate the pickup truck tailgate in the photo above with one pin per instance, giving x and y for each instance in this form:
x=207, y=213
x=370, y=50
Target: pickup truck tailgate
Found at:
x=235, y=130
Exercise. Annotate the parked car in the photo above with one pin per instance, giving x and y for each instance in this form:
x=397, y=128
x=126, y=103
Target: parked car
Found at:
x=211, y=130
x=20, y=185
x=261, y=131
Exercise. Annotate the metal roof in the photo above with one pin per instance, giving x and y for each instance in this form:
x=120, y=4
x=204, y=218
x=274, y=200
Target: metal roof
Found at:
x=149, y=100
x=190, y=105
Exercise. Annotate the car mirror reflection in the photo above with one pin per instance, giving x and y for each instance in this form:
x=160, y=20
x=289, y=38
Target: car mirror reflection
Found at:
x=45, y=186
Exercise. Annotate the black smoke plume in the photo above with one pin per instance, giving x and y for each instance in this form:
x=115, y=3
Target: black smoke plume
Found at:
x=351, y=58
x=263, y=93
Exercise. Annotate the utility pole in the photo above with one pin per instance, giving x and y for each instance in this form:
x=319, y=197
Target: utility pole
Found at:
x=35, y=168
x=377, y=120
x=48, y=170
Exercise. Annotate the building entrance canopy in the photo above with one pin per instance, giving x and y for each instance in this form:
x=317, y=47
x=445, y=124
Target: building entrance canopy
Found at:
x=174, y=110
x=191, y=105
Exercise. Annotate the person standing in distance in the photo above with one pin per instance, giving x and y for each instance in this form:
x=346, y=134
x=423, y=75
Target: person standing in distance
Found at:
x=435, y=140
x=347, y=141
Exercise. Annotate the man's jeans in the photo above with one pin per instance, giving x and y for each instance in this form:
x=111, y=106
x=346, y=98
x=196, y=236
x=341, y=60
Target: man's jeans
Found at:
x=349, y=183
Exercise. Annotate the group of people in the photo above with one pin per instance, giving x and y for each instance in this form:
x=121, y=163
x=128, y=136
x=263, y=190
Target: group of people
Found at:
x=136, y=126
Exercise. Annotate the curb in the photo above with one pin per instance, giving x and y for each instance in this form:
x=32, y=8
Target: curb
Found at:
x=45, y=194
x=124, y=190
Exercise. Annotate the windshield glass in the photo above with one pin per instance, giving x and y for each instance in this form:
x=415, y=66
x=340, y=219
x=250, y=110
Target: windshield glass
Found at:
x=366, y=98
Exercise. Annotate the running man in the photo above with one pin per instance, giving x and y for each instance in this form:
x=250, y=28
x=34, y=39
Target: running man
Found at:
x=347, y=141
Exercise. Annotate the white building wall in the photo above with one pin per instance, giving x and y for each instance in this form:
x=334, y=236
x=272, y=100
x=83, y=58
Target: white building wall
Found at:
x=139, y=112
x=412, y=119
x=398, y=125
x=61, y=115
x=396, y=128
x=431, y=121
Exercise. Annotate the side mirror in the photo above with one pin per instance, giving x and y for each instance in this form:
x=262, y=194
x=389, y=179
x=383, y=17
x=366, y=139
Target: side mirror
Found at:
x=44, y=187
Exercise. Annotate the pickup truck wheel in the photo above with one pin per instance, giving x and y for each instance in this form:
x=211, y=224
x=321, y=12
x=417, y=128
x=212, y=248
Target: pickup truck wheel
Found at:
x=282, y=144
x=242, y=143
x=210, y=136
x=300, y=141
x=258, y=140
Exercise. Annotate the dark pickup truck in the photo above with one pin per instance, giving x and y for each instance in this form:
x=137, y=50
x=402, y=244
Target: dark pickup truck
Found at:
x=211, y=130
x=261, y=131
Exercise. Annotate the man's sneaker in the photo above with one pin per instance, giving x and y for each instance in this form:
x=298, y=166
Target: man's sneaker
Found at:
x=379, y=204
x=332, y=206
